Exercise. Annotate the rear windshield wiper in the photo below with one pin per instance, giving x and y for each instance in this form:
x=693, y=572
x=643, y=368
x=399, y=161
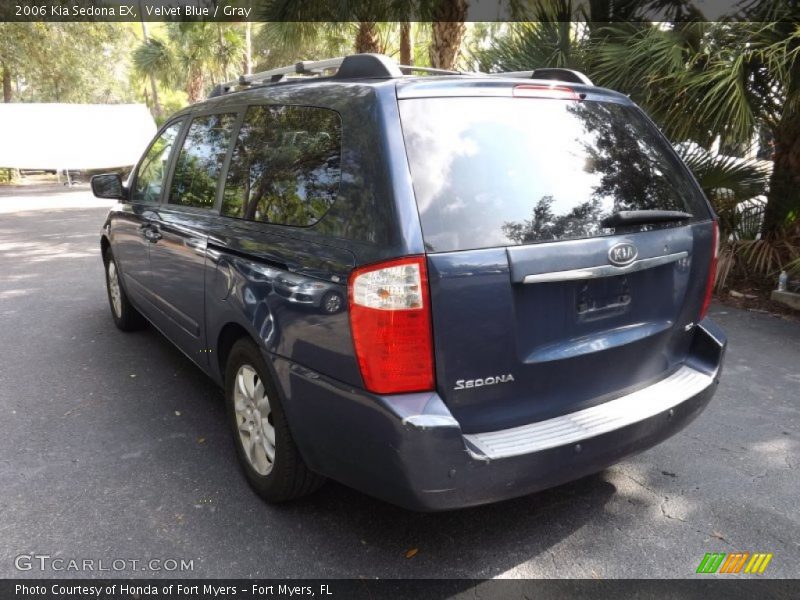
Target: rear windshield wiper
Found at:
x=643, y=217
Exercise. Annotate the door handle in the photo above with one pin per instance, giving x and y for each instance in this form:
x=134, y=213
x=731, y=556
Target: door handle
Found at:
x=151, y=233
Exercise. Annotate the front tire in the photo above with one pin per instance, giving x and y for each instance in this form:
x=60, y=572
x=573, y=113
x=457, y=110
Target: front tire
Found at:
x=264, y=445
x=125, y=316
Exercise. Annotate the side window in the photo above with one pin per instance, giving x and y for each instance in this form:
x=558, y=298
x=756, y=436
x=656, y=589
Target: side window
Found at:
x=285, y=167
x=153, y=170
x=200, y=161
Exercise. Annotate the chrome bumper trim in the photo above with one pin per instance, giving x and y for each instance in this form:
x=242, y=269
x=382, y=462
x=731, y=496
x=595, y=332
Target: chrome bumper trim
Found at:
x=682, y=385
x=605, y=270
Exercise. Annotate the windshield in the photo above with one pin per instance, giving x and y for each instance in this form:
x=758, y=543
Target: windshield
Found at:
x=493, y=172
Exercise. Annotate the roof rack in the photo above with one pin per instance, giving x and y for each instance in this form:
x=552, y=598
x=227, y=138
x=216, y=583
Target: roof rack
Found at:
x=371, y=66
x=368, y=66
x=554, y=74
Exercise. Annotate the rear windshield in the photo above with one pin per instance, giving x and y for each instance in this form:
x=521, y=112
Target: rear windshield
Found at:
x=493, y=172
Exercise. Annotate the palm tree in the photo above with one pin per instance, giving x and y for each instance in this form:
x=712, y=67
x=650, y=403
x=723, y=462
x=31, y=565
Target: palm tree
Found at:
x=406, y=44
x=447, y=30
x=704, y=81
x=191, y=55
x=367, y=37
x=701, y=81
x=247, y=63
x=306, y=19
x=157, y=112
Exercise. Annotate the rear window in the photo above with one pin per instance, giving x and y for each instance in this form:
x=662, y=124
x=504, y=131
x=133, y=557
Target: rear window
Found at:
x=493, y=172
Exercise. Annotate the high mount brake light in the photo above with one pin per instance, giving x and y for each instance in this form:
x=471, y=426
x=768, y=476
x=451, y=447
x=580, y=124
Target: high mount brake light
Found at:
x=556, y=92
x=712, y=270
x=390, y=319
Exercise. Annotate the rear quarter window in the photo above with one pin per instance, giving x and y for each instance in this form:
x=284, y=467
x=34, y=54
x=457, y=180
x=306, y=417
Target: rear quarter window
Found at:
x=493, y=172
x=285, y=168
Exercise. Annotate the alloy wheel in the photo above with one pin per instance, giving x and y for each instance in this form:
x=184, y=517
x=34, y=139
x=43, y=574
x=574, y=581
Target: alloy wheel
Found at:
x=254, y=420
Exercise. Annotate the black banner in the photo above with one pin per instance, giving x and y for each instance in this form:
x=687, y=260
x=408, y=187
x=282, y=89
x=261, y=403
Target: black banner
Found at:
x=369, y=589
x=392, y=10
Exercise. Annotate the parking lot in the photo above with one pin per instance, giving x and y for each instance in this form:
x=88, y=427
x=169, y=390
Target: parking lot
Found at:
x=113, y=446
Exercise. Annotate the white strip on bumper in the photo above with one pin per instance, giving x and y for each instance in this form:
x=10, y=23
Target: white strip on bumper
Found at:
x=682, y=385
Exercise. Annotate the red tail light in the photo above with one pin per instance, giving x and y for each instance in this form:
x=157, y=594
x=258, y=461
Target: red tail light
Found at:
x=557, y=92
x=391, y=324
x=712, y=270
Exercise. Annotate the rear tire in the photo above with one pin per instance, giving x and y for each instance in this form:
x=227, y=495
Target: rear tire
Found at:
x=264, y=445
x=125, y=316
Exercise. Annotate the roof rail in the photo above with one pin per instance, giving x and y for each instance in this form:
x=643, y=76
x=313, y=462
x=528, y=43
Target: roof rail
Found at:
x=367, y=66
x=554, y=74
x=373, y=66
x=431, y=70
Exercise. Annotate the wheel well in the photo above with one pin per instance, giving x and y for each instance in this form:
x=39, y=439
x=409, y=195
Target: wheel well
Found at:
x=104, y=245
x=230, y=334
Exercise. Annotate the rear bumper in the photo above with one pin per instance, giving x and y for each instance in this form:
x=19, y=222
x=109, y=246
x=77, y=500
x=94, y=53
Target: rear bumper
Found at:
x=410, y=451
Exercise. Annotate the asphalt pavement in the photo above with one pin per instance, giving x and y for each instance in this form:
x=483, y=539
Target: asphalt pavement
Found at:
x=113, y=446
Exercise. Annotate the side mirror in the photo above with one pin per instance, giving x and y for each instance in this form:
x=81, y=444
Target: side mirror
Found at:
x=108, y=186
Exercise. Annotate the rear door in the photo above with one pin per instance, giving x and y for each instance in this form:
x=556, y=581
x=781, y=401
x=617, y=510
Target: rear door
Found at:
x=542, y=303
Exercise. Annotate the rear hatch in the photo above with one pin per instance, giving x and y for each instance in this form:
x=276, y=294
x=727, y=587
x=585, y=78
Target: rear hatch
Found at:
x=568, y=248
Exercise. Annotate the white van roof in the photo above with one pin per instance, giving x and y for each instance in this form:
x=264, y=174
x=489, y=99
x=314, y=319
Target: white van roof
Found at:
x=73, y=136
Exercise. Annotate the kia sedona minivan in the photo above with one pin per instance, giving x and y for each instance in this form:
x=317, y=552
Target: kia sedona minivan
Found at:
x=443, y=289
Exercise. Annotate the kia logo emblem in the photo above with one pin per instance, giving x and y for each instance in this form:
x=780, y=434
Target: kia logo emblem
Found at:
x=622, y=254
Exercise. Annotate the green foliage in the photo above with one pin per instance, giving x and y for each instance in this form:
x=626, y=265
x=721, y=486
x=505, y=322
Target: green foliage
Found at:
x=155, y=57
x=9, y=176
x=701, y=81
x=286, y=167
x=726, y=181
x=67, y=62
x=761, y=258
x=284, y=43
x=553, y=39
x=193, y=56
x=172, y=100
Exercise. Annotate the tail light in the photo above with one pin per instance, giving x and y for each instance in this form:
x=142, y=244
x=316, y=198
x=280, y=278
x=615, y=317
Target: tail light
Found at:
x=712, y=270
x=556, y=92
x=391, y=325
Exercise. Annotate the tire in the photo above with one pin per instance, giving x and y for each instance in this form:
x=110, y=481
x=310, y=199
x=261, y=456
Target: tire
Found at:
x=125, y=316
x=248, y=386
x=331, y=303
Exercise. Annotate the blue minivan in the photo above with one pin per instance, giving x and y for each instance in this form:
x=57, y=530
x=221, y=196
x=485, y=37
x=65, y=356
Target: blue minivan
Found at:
x=443, y=289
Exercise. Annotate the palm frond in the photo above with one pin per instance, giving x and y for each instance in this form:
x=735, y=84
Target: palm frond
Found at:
x=532, y=45
x=735, y=178
x=727, y=182
x=718, y=97
x=766, y=257
x=154, y=57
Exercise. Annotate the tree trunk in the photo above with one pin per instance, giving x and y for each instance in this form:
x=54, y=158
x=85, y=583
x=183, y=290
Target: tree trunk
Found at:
x=157, y=112
x=784, y=186
x=406, y=55
x=447, y=30
x=248, y=48
x=224, y=65
x=367, y=37
x=6, y=83
x=194, y=87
